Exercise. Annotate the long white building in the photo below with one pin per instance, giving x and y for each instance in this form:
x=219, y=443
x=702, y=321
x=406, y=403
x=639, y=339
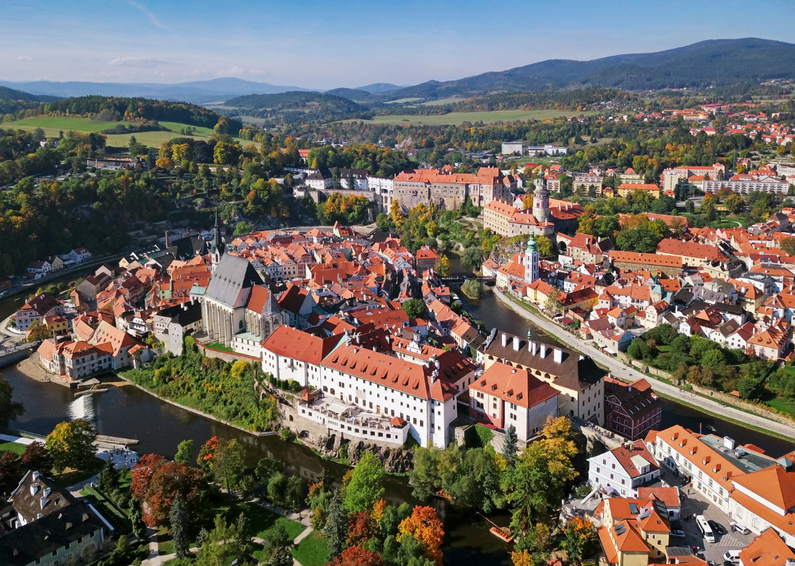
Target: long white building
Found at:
x=371, y=394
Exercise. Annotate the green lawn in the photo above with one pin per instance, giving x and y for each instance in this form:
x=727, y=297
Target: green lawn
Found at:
x=54, y=125
x=15, y=447
x=312, y=551
x=261, y=520
x=70, y=477
x=218, y=346
x=108, y=509
x=458, y=118
x=784, y=405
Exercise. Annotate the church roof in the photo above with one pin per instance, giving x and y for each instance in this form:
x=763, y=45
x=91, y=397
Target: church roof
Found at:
x=231, y=277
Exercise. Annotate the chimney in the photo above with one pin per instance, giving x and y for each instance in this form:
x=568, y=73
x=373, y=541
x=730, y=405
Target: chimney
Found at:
x=629, y=388
x=728, y=442
x=543, y=352
x=166, y=238
x=558, y=356
x=516, y=343
x=504, y=340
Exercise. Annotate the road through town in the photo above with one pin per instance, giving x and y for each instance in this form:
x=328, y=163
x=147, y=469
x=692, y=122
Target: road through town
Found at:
x=624, y=372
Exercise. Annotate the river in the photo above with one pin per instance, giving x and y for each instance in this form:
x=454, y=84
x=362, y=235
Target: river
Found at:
x=160, y=427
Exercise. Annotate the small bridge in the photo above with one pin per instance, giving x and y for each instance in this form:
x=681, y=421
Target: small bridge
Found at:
x=458, y=279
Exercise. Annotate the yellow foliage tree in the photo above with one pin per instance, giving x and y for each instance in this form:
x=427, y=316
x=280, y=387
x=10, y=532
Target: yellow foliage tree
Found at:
x=424, y=525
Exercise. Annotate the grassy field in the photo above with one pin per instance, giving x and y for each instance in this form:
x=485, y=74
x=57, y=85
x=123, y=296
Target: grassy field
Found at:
x=458, y=118
x=54, y=125
x=443, y=101
x=15, y=447
x=312, y=551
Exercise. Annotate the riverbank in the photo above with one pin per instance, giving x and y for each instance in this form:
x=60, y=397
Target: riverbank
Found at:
x=626, y=373
x=195, y=411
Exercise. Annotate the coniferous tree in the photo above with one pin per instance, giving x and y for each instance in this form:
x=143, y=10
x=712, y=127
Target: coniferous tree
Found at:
x=336, y=527
x=509, y=444
x=178, y=518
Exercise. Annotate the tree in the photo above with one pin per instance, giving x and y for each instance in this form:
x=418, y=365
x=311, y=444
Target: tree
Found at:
x=37, y=458
x=242, y=228
x=71, y=444
x=137, y=518
x=365, y=486
x=734, y=203
x=38, y=331
x=472, y=257
x=277, y=546
x=509, y=444
x=471, y=288
x=184, y=451
x=109, y=479
x=220, y=546
x=156, y=482
x=553, y=304
x=425, y=527
x=787, y=246
x=357, y=556
x=294, y=492
x=178, y=520
x=443, y=269
x=9, y=410
x=750, y=388
x=267, y=467
x=579, y=539
x=415, y=308
x=638, y=349
x=336, y=526
x=227, y=464
x=277, y=485
x=543, y=472
x=546, y=248
x=10, y=471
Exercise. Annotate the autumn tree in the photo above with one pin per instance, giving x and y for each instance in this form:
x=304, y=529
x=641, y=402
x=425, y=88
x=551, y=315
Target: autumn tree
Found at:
x=443, y=269
x=543, y=472
x=71, y=444
x=579, y=539
x=38, y=331
x=787, y=246
x=357, y=556
x=427, y=529
x=365, y=486
x=156, y=482
x=9, y=409
x=546, y=248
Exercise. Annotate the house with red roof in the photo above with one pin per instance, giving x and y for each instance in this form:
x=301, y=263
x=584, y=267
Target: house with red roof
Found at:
x=623, y=470
x=505, y=396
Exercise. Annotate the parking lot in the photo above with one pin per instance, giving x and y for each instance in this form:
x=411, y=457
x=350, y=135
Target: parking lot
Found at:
x=694, y=504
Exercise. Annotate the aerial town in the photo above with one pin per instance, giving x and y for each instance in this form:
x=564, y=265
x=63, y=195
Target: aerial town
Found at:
x=537, y=316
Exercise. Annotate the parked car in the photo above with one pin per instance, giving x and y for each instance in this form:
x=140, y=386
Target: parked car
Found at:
x=677, y=533
x=717, y=527
x=740, y=529
x=732, y=556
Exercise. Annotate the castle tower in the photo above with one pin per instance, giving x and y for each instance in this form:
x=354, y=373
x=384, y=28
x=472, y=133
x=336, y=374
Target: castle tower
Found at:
x=541, y=203
x=531, y=261
x=217, y=247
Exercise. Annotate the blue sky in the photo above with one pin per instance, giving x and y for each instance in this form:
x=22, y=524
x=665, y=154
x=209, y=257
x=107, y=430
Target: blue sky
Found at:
x=327, y=44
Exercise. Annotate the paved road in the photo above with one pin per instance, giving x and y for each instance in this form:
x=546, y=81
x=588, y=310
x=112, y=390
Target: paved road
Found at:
x=626, y=373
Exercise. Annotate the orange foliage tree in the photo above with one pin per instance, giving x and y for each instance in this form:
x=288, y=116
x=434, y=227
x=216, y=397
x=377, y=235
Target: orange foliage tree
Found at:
x=357, y=556
x=156, y=482
x=426, y=527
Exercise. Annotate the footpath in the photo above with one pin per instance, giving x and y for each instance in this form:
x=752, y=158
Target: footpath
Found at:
x=157, y=560
x=623, y=372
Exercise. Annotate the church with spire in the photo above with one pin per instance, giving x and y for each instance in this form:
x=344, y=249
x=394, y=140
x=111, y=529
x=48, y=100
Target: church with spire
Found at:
x=238, y=308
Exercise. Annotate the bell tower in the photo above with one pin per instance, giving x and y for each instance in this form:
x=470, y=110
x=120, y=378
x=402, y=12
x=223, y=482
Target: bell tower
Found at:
x=531, y=261
x=217, y=247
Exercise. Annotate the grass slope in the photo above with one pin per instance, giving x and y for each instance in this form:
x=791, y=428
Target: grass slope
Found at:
x=15, y=447
x=54, y=125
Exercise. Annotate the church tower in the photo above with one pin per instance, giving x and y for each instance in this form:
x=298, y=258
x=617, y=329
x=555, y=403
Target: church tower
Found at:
x=217, y=247
x=541, y=203
x=531, y=261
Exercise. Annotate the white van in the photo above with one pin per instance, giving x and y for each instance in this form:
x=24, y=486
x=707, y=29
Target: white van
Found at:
x=705, y=529
x=732, y=555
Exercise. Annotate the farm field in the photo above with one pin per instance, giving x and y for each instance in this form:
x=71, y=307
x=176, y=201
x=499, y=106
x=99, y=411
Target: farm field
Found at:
x=53, y=125
x=458, y=118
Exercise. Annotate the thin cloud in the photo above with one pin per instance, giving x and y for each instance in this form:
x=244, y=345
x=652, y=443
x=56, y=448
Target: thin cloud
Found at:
x=149, y=14
x=137, y=62
x=231, y=72
x=24, y=58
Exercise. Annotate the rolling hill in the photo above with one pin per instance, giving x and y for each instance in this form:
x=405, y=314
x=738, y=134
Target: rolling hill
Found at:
x=707, y=63
x=296, y=106
x=12, y=94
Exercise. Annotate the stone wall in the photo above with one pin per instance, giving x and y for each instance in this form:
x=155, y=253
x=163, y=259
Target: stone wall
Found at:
x=226, y=356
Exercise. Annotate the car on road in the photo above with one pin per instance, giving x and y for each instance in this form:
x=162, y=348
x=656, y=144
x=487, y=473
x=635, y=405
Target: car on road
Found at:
x=740, y=529
x=677, y=533
x=732, y=556
x=717, y=527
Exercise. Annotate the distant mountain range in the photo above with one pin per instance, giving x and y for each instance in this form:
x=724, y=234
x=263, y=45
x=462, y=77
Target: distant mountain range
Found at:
x=12, y=94
x=708, y=63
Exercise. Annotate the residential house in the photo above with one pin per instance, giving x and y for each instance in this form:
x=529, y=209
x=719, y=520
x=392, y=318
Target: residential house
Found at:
x=631, y=409
x=634, y=532
x=505, y=396
x=623, y=470
x=36, y=309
